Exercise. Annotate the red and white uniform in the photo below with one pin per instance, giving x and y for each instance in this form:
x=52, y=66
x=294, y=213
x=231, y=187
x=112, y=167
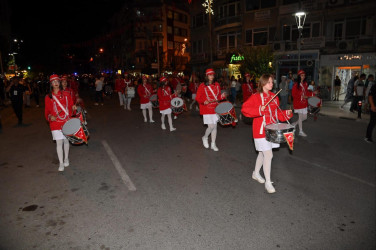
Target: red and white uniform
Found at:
x=52, y=108
x=128, y=83
x=299, y=102
x=120, y=85
x=211, y=93
x=144, y=92
x=165, y=97
x=74, y=85
x=252, y=108
x=247, y=89
x=193, y=86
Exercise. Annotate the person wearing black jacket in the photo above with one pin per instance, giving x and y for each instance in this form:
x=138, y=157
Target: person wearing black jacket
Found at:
x=16, y=91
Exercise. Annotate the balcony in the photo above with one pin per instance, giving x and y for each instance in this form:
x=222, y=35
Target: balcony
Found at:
x=227, y=22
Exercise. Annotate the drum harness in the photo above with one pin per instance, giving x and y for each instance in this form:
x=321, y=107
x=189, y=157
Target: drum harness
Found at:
x=61, y=106
x=271, y=116
x=215, y=97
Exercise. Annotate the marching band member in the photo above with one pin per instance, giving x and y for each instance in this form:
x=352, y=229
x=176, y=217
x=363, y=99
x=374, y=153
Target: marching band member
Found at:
x=58, y=109
x=208, y=95
x=70, y=91
x=165, y=96
x=128, y=98
x=119, y=88
x=193, y=86
x=144, y=91
x=264, y=115
x=247, y=87
x=300, y=94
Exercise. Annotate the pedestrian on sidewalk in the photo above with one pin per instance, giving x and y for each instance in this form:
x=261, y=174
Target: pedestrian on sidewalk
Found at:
x=16, y=92
x=349, y=91
x=359, y=91
x=208, y=96
x=372, y=120
x=58, y=110
x=337, y=88
x=263, y=115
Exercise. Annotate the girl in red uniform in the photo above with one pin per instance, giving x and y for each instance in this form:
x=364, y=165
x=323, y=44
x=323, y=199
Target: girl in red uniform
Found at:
x=119, y=88
x=165, y=96
x=262, y=116
x=58, y=109
x=208, y=95
x=145, y=90
x=193, y=86
x=300, y=94
x=247, y=87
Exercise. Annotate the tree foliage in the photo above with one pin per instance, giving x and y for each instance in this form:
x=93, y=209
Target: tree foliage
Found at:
x=257, y=61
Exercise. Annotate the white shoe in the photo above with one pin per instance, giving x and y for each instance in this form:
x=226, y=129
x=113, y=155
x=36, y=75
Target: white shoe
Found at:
x=145, y=120
x=152, y=121
x=205, y=142
x=129, y=108
x=125, y=108
x=163, y=126
x=214, y=147
x=96, y=104
x=175, y=117
x=269, y=187
x=172, y=129
x=258, y=177
x=66, y=163
x=61, y=167
x=301, y=133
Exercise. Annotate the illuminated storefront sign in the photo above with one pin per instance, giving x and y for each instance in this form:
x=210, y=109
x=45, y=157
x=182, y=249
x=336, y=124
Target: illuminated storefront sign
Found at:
x=236, y=58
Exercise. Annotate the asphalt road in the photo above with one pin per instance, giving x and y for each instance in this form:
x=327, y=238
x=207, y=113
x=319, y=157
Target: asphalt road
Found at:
x=135, y=186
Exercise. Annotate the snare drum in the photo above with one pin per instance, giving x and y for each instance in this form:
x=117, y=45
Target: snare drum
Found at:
x=274, y=132
x=177, y=105
x=154, y=100
x=75, y=131
x=314, y=105
x=226, y=113
x=131, y=92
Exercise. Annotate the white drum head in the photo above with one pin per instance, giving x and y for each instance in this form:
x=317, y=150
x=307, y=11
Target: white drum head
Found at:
x=279, y=126
x=177, y=102
x=71, y=126
x=314, y=101
x=223, y=107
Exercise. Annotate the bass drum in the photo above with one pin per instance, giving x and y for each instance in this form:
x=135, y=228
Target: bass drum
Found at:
x=75, y=131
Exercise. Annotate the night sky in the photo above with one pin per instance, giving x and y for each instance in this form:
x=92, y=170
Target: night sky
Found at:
x=45, y=27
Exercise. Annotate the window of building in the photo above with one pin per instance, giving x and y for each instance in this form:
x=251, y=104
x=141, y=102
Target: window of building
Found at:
x=285, y=2
x=229, y=40
x=353, y=27
x=199, y=20
x=169, y=30
x=169, y=14
x=272, y=34
x=338, y=30
x=229, y=10
x=286, y=33
x=259, y=4
x=315, y=29
x=200, y=46
x=260, y=36
x=248, y=37
x=194, y=47
x=222, y=43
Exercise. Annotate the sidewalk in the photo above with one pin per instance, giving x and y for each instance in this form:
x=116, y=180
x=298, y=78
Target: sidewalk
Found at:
x=332, y=108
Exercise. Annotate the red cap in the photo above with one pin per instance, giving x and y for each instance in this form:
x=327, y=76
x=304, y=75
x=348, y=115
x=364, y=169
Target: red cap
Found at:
x=301, y=72
x=163, y=79
x=247, y=74
x=144, y=77
x=64, y=77
x=210, y=72
x=54, y=77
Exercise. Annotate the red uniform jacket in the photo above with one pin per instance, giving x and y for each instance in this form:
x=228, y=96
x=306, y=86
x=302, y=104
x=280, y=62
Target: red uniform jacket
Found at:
x=120, y=85
x=174, y=82
x=144, y=93
x=52, y=108
x=247, y=90
x=193, y=87
x=165, y=97
x=71, y=93
x=297, y=94
x=204, y=94
x=252, y=108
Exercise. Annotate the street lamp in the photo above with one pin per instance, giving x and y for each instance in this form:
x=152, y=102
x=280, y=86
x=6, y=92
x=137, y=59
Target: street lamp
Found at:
x=300, y=19
x=208, y=5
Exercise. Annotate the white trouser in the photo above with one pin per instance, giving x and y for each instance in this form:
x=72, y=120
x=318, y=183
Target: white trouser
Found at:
x=121, y=98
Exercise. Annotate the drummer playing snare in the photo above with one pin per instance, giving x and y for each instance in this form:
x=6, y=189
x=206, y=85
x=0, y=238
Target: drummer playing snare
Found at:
x=263, y=107
x=58, y=109
x=208, y=95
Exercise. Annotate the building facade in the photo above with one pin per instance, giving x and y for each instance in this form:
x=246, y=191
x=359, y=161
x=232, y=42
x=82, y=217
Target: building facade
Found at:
x=338, y=37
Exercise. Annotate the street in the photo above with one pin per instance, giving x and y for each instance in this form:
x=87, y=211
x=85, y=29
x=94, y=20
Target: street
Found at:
x=136, y=186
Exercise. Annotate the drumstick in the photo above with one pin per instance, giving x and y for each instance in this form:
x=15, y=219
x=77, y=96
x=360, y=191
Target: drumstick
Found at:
x=272, y=98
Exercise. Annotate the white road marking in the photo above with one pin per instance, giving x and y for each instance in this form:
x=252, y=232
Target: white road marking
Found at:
x=127, y=181
x=334, y=171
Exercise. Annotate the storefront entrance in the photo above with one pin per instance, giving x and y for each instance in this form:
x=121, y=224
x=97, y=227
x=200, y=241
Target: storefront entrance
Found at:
x=345, y=74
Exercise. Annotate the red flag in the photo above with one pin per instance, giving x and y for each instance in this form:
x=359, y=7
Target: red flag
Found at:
x=289, y=139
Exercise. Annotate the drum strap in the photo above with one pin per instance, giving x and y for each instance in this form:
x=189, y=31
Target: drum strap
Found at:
x=60, y=105
x=165, y=92
x=146, y=89
x=212, y=93
x=263, y=117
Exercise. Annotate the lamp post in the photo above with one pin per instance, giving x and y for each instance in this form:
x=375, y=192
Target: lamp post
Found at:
x=300, y=19
x=208, y=5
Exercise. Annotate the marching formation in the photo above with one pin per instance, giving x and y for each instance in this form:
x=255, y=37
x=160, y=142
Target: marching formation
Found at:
x=64, y=110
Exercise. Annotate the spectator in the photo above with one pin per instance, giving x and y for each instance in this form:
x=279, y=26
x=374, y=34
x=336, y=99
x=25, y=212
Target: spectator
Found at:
x=359, y=90
x=16, y=91
x=349, y=91
x=99, y=90
x=283, y=85
x=337, y=88
x=35, y=90
x=290, y=82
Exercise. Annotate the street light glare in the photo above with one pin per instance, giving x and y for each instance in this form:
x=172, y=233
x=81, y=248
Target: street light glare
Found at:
x=299, y=14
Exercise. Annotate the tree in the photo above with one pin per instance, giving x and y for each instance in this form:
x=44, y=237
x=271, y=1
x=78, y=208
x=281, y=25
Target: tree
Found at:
x=257, y=61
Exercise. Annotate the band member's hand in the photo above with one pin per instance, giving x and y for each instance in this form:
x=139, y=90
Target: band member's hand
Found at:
x=289, y=112
x=262, y=108
x=206, y=102
x=74, y=107
x=52, y=118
